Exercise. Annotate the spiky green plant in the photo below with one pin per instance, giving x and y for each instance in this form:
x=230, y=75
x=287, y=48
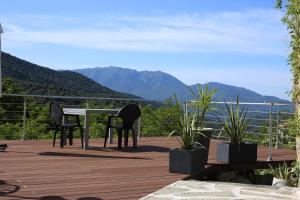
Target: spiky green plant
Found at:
x=185, y=126
x=203, y=98
x=281, y=172
x=235, y=127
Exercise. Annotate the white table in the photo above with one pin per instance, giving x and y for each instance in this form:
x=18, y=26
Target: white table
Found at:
x=86, y=113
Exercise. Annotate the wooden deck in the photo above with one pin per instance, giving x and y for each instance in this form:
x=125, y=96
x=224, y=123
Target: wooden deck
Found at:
x=36, y=170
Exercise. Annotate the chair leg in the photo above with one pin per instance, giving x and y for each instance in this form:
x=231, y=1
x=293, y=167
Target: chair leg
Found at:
x=81, y=136
x=62, y=136
x=126, y=133
x=71, y=136
x=120, y=138
x=134, y=139
x=54, y=138
x=106, y=135
x=65, y=135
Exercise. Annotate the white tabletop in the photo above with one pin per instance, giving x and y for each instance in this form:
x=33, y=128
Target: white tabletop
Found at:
x=84, y=111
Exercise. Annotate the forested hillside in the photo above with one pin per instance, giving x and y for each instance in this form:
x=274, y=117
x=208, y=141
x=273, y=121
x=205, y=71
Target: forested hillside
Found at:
x=34, y=79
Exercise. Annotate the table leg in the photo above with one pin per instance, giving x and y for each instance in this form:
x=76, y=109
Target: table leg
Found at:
x=137, y=128
x=86, y=132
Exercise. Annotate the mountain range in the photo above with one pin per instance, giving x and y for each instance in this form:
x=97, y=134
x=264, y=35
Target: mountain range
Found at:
x=112, y=82
x=157, y=85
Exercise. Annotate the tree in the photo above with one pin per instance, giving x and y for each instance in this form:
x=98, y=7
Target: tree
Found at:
x=292, y=19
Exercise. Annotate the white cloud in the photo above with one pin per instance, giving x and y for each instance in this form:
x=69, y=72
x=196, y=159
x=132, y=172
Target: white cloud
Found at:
x=251, y=31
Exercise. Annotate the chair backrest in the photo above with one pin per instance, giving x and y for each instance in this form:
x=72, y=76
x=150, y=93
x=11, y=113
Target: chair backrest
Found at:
x=129, y=114
x=56, y=113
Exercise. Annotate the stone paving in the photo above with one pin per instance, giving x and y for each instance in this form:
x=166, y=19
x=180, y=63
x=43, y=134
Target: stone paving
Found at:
x=202, y=190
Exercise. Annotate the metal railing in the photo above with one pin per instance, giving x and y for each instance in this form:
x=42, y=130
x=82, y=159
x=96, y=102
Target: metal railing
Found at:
x=271, y=116
x=24, y=112
x=267, y=120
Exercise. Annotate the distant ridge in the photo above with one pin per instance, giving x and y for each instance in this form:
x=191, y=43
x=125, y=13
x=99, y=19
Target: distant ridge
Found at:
x=157, y=85
x=38, y=80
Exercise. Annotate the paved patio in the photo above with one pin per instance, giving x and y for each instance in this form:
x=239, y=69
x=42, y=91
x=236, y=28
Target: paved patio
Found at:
x=203, y=190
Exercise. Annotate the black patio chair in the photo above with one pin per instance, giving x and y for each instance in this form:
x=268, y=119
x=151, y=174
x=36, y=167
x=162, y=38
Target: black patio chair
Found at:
x=128, y=115
x=64, y=124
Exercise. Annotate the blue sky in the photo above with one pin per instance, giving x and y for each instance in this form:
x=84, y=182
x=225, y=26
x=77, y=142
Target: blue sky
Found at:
x=237, y=42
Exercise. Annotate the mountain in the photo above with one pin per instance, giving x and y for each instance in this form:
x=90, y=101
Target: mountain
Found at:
x=229, y=93
x=154, y=85
x=34, y=79
x=157, y=85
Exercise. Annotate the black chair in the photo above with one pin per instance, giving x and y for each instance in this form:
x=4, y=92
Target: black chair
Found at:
x=64, y=124
x=128, y=114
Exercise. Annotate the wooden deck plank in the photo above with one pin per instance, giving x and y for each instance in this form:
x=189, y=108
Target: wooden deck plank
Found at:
x=40, y=170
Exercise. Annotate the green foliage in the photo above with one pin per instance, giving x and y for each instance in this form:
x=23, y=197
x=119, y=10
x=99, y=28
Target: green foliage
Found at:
x=9, y=106
x=279, y=4
x=185, y=126
x=292, y=20
x=158, y=121
x=10, y=131
x=236, y=127
x=97, y=129
x=203, y=99
x=35, y=130
x=295, y=172
x=294, y=126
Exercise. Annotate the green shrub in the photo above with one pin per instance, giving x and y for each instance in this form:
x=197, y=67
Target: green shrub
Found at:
x=10, y=131
x=97, y=130
x=35, y=130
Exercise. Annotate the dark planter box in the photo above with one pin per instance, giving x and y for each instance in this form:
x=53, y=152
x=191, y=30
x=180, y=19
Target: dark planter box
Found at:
x=234, y=153
x=204, y=139
x=186, y=161
x=264, y=179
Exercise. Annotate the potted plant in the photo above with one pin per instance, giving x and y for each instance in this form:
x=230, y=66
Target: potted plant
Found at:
x=236, y=150
x=191, y=156
x=202, y=104
x=284, y=175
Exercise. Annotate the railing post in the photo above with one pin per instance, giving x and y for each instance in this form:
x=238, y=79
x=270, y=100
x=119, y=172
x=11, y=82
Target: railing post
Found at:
x=24, y=119
x=185, y=108
x=277, y=128
x=87, y=104
x=270, y=134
